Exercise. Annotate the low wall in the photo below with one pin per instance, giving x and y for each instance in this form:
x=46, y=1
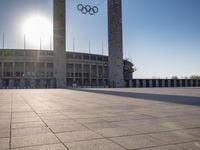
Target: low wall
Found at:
x=145, y=83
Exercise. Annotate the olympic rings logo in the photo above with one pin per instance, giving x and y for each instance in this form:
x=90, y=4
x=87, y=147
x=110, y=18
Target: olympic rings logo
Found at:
x=87, y=9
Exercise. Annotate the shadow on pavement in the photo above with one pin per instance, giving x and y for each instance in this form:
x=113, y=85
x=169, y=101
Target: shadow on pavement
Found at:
x=186, y=100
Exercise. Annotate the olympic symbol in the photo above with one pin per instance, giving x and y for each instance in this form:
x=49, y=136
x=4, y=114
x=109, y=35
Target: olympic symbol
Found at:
x=87, y=9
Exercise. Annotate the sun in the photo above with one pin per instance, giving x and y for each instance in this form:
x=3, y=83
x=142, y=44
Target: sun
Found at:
x=37, y=30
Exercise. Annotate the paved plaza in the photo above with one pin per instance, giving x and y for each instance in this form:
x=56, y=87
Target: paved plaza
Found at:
x=100, y=119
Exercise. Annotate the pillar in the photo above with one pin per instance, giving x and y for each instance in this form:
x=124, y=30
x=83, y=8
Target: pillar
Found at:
x=32, y=83
x=150, y=83
x=35, y=69
x=22, y=83
x=163, y=83
x=11, y=83
x=1, y=83
x=2, y=69
x=51, y=83
x=157, y=83
x=144, y=85
x=175, y=82
x=42, y=83
x=74, y=72
x=24, y=68
x=13, y=69
x=45, y=70
x=59, y=54
x=181, y=84
x=197, y=83
x=103, y=77
x=90, y=75
x=169, y=83
x=115, y=59
x=192, y=83
x=82, y=74
x=186, y=82
x=97, y=76
x=137, y=83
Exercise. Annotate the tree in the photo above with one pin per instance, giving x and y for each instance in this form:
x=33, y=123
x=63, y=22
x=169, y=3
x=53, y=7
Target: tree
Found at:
x=195, y=77
x=174, y=77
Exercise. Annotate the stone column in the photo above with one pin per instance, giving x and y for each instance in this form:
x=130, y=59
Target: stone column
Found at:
x=157, y=83
x=131, y=83
x=137, y=83
x=82, y=74
x=2, y=69
x=45, y=70
x=11, y=83
x=186, y=82
x=13, y=69
x=150, y=83
x=22, y=83
x=32, y=83
x=144, y=84
x=175, y=83
x=35, y=69
x=74, y=72
x=163, y=83
x=191, y=83
x=169, y=83
x=59, y=43
x=115, y=40
x=196, y=83
x=42, y=83
x=90, y=75
x=1, y=83
x=24, y=68
x=180, y=83
x=97, y=76
x=51, y=83
x=103, y=76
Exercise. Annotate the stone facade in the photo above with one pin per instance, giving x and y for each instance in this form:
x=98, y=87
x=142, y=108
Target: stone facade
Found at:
x=116, y=78
x=163, y=83
x=34, y=69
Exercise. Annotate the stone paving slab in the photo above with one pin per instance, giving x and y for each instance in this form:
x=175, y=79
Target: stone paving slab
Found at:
x=100, y=144
x=100, y=119
x=168, y=147
x=190, y=146
x=29, y=131
x=137, y=141
x=44, y=147
x=174, y=137
x=4, y=142
x=33, y=140
x=68, y=137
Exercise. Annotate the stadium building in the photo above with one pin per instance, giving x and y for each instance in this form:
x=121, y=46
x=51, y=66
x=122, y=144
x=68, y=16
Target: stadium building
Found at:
x=34, y=69
x=60, y=69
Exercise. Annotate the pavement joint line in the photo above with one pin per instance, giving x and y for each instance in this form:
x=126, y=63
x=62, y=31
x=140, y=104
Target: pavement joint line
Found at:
x=174, y=144
x=10, y=139
x=35, y=146
x=87, y=127
x=130, y=134
x=85, y=140
x=192, y=140
x=45, y=123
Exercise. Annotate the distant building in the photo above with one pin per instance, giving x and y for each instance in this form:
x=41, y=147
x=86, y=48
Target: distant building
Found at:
x=34, y=69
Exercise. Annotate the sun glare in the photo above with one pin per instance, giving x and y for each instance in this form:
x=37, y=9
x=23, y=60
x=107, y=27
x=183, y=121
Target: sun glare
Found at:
x=37, y=30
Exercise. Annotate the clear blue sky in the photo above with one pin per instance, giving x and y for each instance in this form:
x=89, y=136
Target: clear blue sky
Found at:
x=162, y=37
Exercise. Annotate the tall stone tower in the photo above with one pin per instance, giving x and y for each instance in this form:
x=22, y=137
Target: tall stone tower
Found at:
x=115, y=59
x=59, y=43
